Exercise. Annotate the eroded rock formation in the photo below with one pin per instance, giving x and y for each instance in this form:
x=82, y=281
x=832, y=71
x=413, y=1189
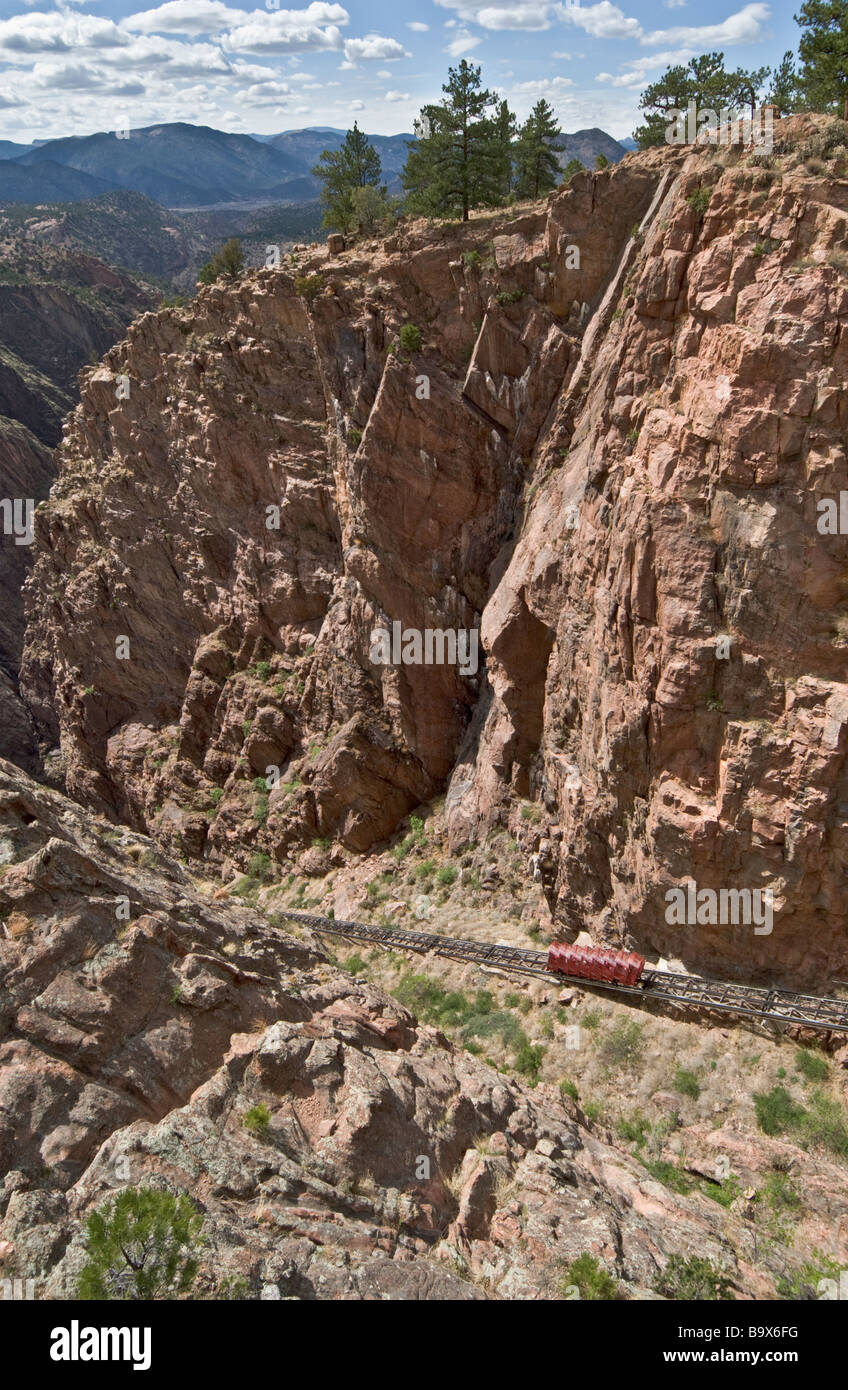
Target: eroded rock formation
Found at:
x=143, y=1021
x=610, y=470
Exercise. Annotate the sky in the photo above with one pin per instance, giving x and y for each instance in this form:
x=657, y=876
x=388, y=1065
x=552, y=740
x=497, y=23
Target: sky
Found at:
x=80, y=66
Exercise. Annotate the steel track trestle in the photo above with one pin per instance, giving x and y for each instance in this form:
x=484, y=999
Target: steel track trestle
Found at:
x=688, y=991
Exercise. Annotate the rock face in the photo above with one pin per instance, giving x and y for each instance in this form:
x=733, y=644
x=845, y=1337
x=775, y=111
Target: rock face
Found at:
x=606, y=454
x=66, y=310
x=141, y=1022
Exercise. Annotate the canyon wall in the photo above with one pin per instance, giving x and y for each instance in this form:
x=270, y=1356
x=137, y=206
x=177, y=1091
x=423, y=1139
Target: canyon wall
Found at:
x=59, y=308
x=608, y=462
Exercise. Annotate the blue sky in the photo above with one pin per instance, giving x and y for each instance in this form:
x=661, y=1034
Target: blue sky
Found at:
x=75, y=68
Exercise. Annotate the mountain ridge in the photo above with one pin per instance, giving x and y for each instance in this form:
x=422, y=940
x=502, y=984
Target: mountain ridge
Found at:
x=180, y=165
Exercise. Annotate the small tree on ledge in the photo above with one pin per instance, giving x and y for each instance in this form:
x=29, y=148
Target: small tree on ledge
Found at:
x=226, y=264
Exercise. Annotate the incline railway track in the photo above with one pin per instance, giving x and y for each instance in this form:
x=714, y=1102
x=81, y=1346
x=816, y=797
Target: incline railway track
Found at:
x=782, y=1006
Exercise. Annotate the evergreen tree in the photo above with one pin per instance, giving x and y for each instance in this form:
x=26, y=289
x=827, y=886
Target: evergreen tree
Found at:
x=574, y=166
x=144, y=1244
x=503, y=133
x=370, y=207
x=355, y=165
x=784, y=91
x=748, y=86
x=671, y=92
x=456, y=162
x=704, y=80
x=823, y=51
x=539, y=142
x=228, y=263
x=601, y=161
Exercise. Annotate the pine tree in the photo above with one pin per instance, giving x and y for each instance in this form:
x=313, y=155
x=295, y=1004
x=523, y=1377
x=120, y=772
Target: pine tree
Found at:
x=704, y=80
x=456, y=162
x=671, y=92
x=747, y=86
x=504, y=130
x=228, y=263
x=574, y=166
x=143, y=1244
x=784, y=91
x=355, y=165
x=823, y=51
x=539, y=141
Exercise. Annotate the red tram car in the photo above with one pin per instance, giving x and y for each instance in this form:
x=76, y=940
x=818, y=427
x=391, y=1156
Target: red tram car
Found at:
x=596, y=963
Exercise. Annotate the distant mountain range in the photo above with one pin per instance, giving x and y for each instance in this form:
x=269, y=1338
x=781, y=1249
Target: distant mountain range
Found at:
x=184, y=166
x=47, y=182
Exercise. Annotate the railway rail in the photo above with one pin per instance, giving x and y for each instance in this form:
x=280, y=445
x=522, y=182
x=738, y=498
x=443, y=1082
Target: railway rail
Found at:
x=780, y=1006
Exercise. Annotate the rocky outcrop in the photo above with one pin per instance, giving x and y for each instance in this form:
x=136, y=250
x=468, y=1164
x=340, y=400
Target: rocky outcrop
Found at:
x=60, y=310
x=606, y=453
x=285, y=477
x=672, y=595
x=152, y=1032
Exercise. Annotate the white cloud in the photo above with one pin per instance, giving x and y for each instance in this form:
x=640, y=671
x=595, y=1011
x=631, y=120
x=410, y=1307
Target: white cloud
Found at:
x=396, y=96
x=57, y=32
x=515, y=17
x=372, y=47
x=288, y=31
x=602, y=21
x=634, y=73
x=463, y=43
x=746, y=26
x=186, y=17
x=417, y=27
x=357, y=106
x=544, y=87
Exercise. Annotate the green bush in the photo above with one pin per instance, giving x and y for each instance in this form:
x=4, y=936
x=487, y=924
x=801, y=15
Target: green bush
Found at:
x=529, y=1059
x=593, y=1282
x=824, y=1125
x=227, y=264
x=259, y=866
x=622, y=1046
x=410, y=338
x=699, y=201
x=811, y=1064
x=803, y=1284
x=143, y=1244
x=780, y=1194
x=308, y=286
x=257, y=1118
x=670, y=1175
x=686, y=1082
x=634, y=1130
x=447, y=875
x=695, y=1279
x=776, y=1111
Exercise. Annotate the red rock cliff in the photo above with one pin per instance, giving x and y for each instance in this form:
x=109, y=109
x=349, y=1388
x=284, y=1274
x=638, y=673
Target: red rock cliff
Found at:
x=612, y=471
